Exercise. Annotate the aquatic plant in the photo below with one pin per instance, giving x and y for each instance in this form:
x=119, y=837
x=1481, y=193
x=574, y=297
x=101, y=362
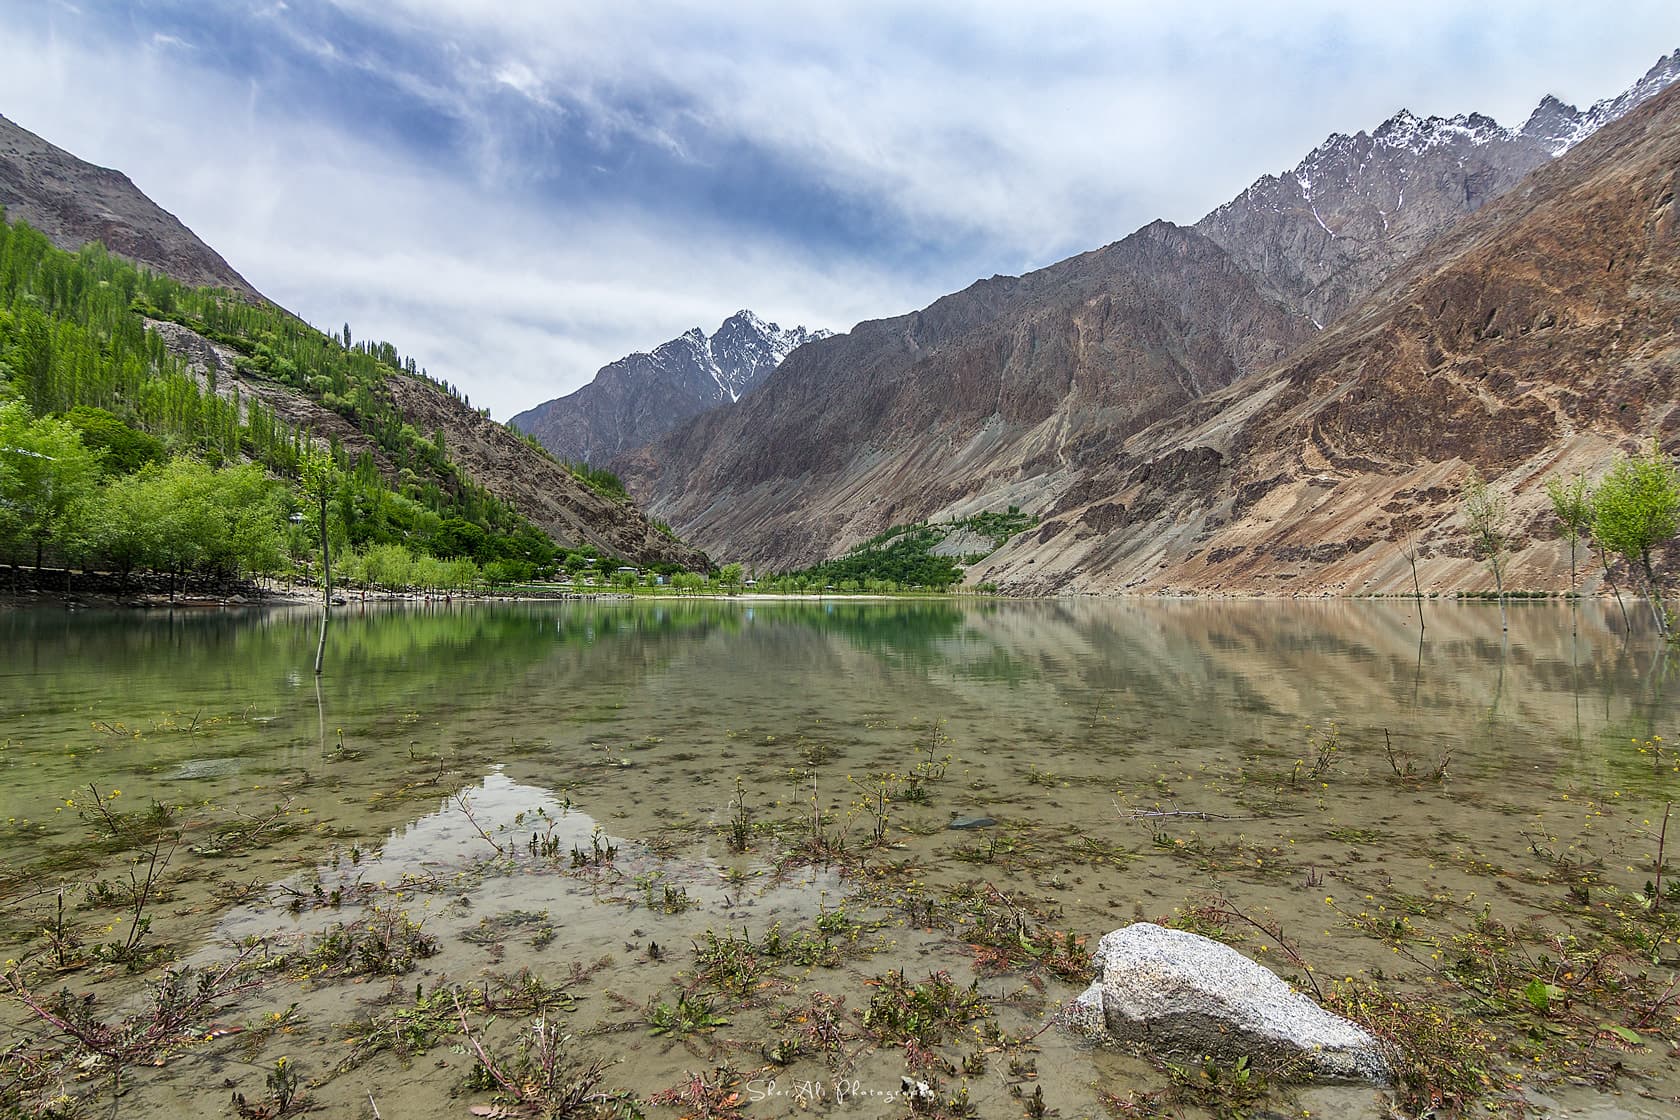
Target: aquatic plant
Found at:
x=63, y=939
x=388, y=942
x=874, y=795
x=819, y=1026
x=285, y=1094
x=407, y=1030
x=144, y=874
x=740, y=819
x=180, y=1006
x=1405, y=768
x=924, y=1013
x=714, y=1095
x=738, y=966
x=662, y=897
x=601, y=851
x=691, y=1014
x=543, y=1075
x=463, y=802
x=1442, y=1060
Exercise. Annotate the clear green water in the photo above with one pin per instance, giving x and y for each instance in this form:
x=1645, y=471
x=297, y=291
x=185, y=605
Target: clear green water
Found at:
x=1065, y=721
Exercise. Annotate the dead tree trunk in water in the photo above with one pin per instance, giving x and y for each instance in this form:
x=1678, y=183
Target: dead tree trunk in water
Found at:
x=326, y=589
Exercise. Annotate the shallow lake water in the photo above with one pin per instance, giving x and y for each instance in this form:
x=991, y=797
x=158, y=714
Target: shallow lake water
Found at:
x=555, y=787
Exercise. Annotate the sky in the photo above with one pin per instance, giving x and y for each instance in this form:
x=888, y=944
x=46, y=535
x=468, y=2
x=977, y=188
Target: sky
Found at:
x=517, y=192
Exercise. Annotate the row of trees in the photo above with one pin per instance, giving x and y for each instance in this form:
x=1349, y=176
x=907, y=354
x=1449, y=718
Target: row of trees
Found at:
x=901, y=559
x=85, y=490
x=1632, y=512
x=176, y=515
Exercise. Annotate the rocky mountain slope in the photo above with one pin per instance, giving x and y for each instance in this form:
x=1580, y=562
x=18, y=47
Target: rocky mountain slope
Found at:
x=1323, y=236
x=1540, y=335
x=887, y=425
x=540, y=488
x=981, y=400
x=74, y=202
x=640, y=397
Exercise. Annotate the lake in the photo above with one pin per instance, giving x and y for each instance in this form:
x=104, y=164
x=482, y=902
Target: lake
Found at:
x=709, y=844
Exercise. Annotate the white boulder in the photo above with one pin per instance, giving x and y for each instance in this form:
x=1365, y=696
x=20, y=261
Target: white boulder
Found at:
x=1182, y=994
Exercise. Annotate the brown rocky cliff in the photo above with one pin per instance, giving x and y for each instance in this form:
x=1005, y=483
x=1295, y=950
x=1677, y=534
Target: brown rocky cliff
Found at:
x=1537, y=336
x=534, y=483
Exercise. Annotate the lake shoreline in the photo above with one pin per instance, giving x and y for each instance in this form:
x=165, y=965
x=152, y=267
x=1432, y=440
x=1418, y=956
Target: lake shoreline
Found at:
x=28, y=588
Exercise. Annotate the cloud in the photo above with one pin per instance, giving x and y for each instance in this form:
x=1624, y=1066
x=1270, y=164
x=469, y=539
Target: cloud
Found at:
x=518, y=193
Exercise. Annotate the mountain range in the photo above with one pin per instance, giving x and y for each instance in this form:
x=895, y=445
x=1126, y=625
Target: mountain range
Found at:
x=1283, y=398
x=632, y=401
x=1104, y=391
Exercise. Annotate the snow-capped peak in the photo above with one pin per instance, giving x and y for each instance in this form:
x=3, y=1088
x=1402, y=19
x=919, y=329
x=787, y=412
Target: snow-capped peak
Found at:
x=1561, y=126
x=1406, y=130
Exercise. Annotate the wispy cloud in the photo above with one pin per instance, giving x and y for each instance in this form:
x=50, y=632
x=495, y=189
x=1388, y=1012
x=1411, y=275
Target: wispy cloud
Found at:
x=518, y=192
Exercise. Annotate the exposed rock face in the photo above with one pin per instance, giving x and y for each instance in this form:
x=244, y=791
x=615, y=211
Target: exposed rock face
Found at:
x=1179, y=993
x=1540, y=335
x=983, y=399
x=1324, y=236
x=640, y=397
x=74, y=202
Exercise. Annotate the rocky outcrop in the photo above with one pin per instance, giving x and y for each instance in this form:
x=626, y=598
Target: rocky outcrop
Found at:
x=74, y=202
x=534, y=483
x=640, y=397
x=1181, y=994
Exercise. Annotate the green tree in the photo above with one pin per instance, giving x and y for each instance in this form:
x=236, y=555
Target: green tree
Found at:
x=390, y=566
x=1572, y=504
x=320, y=478
x=188, y=517
x=460, y=573
x=730, y=575
x=126, y=450
x=127, y=521
x=49, y=480
x=1636, y=510
x=1485, y=516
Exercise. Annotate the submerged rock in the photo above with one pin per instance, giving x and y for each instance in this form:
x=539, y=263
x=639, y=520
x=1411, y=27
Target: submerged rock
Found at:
x=1179, y=993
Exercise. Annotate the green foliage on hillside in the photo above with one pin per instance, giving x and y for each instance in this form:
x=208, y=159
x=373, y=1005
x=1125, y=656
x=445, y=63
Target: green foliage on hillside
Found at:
x=902, y=557
x=103, y=412
x=906, y=559
x=600, y=480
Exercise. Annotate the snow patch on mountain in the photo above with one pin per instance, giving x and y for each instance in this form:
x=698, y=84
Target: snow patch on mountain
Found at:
x=1345, y=161
x=1561, y=126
